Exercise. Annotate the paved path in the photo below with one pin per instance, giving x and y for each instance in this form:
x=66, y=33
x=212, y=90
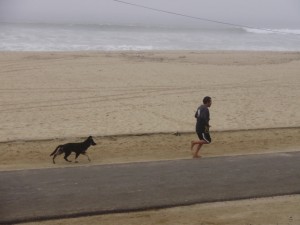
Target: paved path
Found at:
x=78, y=191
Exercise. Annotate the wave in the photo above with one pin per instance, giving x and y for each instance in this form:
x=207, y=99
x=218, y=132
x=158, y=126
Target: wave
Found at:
x=81, y=37
x=136, y=26
x=272, y=31
x=104, y=26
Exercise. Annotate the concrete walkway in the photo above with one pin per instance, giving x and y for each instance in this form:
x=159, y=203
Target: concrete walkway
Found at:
x=40, y=194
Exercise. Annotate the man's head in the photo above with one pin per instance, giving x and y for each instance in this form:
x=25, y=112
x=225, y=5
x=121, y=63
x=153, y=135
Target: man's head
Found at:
x=207, y=101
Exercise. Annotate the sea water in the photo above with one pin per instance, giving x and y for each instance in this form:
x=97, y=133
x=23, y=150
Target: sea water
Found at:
x=97, y=37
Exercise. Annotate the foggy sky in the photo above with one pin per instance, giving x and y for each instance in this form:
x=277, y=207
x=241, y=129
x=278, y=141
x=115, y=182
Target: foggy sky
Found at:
x=258, y=13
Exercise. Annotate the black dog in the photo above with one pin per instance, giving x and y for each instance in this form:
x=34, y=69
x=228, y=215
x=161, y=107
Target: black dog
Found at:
x=78, y=148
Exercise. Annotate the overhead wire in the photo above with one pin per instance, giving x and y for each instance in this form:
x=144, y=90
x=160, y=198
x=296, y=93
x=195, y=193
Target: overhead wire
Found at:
x=202, y=19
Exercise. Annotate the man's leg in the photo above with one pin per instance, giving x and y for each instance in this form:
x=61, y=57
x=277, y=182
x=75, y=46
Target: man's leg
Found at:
x=196, y=153
x=199, y=143
x=193, y=143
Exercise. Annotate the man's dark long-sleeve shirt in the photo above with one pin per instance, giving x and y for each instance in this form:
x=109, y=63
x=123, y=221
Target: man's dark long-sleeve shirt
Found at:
x=202, y=115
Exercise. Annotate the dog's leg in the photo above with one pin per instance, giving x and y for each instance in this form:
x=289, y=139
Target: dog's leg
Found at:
x=66, y=156
x=77, y=154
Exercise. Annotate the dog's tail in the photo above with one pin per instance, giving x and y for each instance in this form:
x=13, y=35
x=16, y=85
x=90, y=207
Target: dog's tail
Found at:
x=58, y=147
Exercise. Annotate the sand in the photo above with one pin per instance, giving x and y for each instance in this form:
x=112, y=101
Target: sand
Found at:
x=55, y=95
x=134, y=102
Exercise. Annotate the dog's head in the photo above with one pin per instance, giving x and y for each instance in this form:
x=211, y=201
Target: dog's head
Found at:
x=91, y=141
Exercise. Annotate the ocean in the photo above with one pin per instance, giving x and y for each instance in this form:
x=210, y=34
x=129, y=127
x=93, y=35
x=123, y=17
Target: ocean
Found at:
x=96, y=37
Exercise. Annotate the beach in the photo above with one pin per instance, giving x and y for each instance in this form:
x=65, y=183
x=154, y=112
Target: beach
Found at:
x=140, y=106
x=55, y=95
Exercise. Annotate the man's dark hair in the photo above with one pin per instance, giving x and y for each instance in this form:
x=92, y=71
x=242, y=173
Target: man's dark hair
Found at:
x=206, y=99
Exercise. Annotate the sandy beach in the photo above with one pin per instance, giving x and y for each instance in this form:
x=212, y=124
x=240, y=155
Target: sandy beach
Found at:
x=134, y=103
x=55, y=95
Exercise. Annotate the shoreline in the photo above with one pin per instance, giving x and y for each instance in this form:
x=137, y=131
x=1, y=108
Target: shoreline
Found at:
x=172, y=52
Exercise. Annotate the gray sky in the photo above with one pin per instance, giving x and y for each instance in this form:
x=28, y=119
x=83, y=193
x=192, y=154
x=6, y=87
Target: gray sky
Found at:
x=258, y=13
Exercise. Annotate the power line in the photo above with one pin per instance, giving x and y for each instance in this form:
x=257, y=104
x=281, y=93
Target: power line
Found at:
x=203, y=19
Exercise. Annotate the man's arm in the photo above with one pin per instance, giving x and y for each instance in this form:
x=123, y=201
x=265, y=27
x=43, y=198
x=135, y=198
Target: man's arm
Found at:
x=206, y=116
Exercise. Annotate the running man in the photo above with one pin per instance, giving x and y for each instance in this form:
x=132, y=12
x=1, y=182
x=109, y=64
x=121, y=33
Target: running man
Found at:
x=202, y=126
